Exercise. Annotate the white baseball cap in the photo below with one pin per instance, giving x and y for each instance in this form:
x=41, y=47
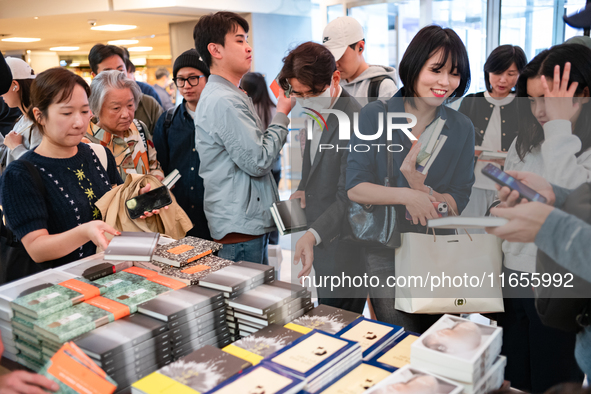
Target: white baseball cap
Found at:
x=19, y=68
x=340, y=33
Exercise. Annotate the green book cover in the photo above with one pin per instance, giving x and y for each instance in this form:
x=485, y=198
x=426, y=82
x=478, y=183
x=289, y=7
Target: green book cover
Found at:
x=134, y=294
x=24, y=318
x=119, y=280
x=71, y=322
x=29, y=362
x=24, y=325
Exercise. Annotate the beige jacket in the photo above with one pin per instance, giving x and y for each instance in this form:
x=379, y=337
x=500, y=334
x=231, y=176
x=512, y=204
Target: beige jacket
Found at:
x=173, y=221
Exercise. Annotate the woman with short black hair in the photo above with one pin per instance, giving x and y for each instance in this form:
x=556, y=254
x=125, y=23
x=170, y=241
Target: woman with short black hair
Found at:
x=434, y=69
x=494, y=114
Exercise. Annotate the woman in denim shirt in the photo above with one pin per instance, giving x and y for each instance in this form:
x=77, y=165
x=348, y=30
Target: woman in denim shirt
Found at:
x=434, y=68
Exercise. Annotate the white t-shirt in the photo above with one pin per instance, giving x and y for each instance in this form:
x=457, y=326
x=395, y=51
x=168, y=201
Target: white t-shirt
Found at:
x=492, y=138
x=192, y=113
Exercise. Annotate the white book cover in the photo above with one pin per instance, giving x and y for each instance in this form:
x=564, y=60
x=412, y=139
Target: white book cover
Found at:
x=453, y=222
x=412, y=380
x=457, y=348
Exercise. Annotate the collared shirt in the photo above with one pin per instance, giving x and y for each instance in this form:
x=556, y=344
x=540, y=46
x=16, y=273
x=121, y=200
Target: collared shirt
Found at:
x=237, y=155
x=176, y=150
x=132, y=154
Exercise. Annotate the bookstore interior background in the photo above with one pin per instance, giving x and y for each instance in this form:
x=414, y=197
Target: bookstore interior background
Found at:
x=159, y=326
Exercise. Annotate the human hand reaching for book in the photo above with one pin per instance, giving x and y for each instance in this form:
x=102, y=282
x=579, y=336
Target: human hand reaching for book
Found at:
x=95, y=231
x=22, y=382
x=415, y=179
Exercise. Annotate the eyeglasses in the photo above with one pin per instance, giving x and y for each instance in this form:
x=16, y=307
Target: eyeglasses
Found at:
x=193, y=80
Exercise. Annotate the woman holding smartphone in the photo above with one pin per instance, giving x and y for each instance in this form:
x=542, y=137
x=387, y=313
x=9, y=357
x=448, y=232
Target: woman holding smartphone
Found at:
x=434, y=68
x=51, y=207
x=553, y=141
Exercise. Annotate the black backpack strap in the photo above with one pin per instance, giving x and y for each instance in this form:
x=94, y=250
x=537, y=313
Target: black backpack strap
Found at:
x=374, y=87
x=36, y=176
x=170, y=114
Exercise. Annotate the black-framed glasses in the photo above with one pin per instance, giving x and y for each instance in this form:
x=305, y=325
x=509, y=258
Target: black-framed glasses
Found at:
x=193, y=80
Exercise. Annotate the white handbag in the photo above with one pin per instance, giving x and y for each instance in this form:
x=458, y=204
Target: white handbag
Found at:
x=471, y=262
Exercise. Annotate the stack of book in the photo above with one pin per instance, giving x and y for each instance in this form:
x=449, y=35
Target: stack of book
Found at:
x=262, y=379
x=278, y=302
x=357, y=380
x=129, y=348
x=318, y=358
x=254, y=348
x=196, y=317
x=397, y=354
x=234, y=280
x=10, y=292
x=373, y=336
x=409, y=379
x=324, y=318
x=199, y=371
x=75, y=372
x=462, y=351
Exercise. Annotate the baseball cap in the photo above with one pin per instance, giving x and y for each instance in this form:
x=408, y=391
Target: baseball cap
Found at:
x=19, y=68
x=340, y=33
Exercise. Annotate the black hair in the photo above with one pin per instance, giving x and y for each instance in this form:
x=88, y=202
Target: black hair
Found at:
x=500, y=59
x=24, y=92
x=425, y=44
x=213, y=29
x=311, y=64
x=352, y=46
x=129, y=66
x=531, y=133
x=100, y=52
x=255, y=86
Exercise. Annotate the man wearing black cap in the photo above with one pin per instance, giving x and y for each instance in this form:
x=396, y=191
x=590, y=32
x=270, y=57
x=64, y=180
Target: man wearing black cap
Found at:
x=174, y=139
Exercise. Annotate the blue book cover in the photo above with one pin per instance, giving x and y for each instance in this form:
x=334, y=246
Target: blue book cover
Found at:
x=264, y=378
x=314, y=353
x=372, y=335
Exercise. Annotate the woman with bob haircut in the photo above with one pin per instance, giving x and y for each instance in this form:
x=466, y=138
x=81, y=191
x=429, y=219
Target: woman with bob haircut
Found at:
x=434, y=69
x=56, y=219
x=495, y=116
x=554, y=141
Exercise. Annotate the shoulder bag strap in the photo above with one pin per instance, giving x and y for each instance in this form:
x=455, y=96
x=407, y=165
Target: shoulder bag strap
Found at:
x=373, y=90
x=389, y=155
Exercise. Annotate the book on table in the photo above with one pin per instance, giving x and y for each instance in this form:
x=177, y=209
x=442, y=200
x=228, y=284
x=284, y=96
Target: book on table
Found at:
x=133, y=246
x=184, y=251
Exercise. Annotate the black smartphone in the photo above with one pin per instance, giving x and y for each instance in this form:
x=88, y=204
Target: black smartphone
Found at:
x=154, y=199
x=504, y=179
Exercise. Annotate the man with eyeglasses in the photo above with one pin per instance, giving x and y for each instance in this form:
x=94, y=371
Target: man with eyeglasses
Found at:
x=174, y=139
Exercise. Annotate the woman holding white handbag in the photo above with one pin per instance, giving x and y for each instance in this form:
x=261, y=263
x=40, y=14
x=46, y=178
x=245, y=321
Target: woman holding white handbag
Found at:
x=434, y=68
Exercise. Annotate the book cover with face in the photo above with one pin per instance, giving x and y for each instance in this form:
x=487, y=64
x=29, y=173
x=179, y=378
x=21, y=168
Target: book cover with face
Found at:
x=310, y=352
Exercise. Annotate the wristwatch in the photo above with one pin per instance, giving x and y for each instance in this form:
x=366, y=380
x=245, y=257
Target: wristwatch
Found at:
x=430, y=190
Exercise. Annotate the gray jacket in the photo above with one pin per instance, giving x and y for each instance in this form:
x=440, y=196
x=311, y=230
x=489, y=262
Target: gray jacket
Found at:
x=236, y=160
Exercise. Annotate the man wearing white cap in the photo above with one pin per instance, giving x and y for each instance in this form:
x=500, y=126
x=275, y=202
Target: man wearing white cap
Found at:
x=24, y=135
x=344, y=38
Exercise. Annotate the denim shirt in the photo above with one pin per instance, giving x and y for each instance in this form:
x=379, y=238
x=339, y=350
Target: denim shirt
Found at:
x=452, y=171
x=176, y=150
x=236, y=160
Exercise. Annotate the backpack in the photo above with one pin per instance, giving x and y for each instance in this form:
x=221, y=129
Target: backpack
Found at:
x=373, y=90
x=567, y=309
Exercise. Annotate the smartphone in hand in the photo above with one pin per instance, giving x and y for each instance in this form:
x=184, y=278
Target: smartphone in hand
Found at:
x=147, y=202
x=504, y=179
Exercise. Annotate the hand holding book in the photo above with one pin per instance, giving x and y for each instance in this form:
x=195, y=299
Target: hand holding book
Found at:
x=415, y=179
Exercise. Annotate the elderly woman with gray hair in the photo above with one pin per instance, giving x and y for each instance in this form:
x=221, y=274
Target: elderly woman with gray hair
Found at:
x=113, y=101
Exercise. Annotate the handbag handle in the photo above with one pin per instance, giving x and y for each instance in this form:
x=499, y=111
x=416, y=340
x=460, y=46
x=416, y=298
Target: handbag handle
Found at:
x=454, y=214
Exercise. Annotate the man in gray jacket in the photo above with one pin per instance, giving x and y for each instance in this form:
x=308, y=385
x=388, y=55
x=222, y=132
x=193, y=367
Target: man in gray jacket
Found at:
x=236, y=153
x=344, y=38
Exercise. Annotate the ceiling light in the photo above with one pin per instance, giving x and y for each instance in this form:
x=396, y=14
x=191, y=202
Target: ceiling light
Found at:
x=36, y=17
x=75, y=64
x=64, y=49
x=140, y=49
x=139, y=61
x=20, y=39
x=123, y=42
x=113, y=27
